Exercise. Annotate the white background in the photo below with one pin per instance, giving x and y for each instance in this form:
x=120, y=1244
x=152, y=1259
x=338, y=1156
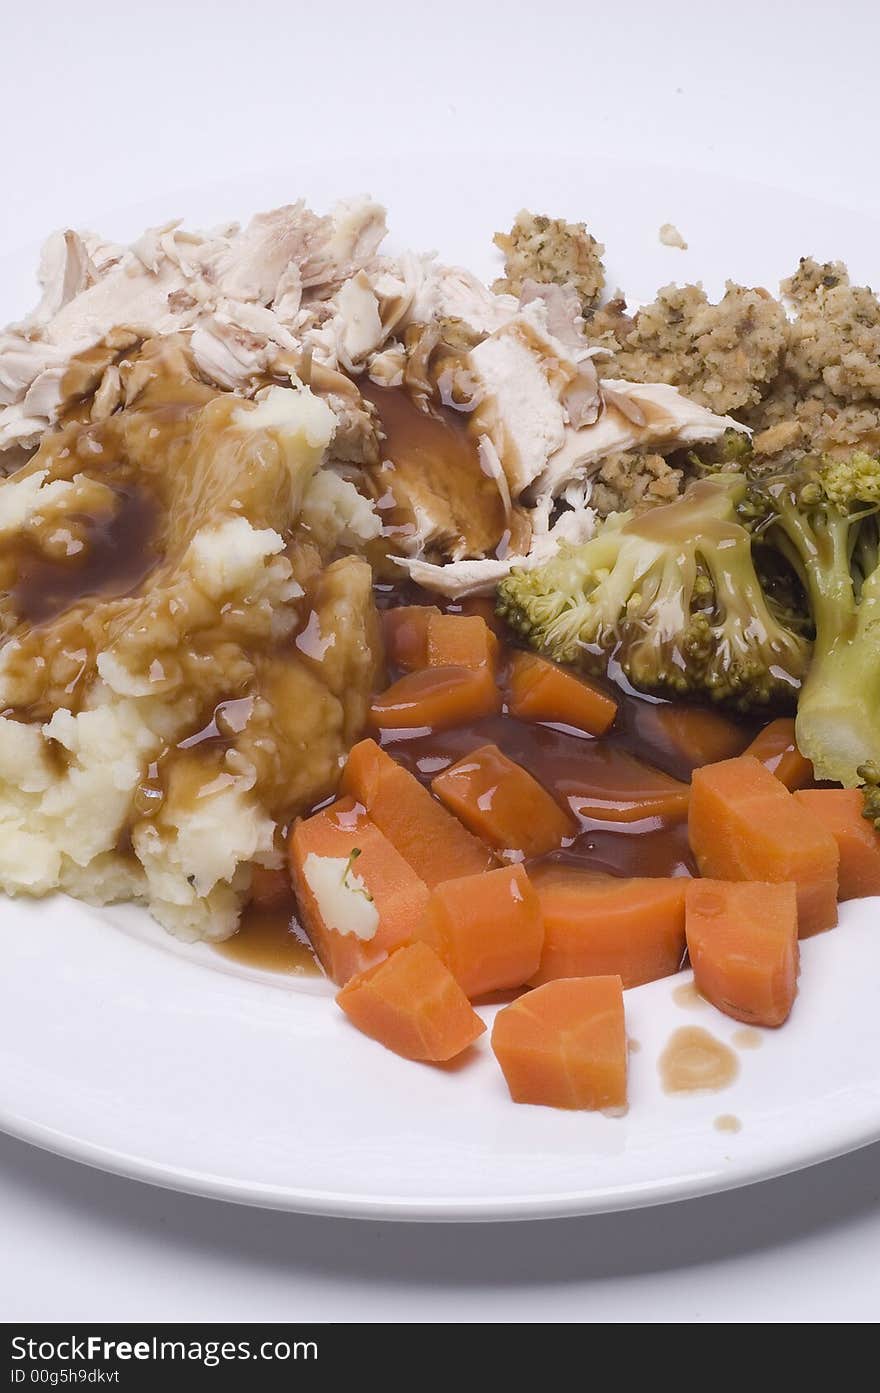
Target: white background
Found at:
x=106, y=104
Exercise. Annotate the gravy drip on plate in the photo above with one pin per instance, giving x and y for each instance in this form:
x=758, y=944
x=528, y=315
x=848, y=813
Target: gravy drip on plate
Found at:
x=695, y=1062
x=271, y=939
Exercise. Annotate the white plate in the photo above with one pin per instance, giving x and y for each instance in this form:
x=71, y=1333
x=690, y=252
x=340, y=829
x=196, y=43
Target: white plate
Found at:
x=128, y=1051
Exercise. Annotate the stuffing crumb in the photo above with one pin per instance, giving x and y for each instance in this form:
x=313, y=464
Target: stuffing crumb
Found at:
x=549, y=249
x=812, y=275
x=802, y=370
x=723, y=356
x=776, y=440
x=828, y=388
x=627, y=480
x=671, y=237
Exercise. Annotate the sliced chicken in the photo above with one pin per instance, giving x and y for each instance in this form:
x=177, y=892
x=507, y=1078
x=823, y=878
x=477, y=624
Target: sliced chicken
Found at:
x=240, y=290
x=458, y=579
x=533, y=387
x=634, y=415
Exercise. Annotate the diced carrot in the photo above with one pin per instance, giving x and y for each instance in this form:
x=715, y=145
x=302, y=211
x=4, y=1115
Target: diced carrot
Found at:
x=405, y=631
x=486, y=928
x=564, y=1044
x=694, y=734
x=269, y=888
x=745, y=825
x=840, y=811
x=501, y=802
x=461, y=640
x=541, y=691
x=412, y=1004
x=379, y=873
x=742, y=940
x=614, y=787
x=775, y=746
x=485, y=608
x=436, y=697
x=428, y=837
x=597, y=925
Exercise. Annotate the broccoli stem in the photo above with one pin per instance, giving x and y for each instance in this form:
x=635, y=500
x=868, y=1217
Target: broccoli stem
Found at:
x=838, y=717
x=838, y=720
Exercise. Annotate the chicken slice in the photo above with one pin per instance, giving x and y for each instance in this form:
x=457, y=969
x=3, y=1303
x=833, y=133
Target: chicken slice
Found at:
x=634, y=415
x=221, y=284
x=459, y=579
x=527, y=377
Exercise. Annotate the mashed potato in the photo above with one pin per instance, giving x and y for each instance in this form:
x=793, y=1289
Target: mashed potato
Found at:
x=156, y=735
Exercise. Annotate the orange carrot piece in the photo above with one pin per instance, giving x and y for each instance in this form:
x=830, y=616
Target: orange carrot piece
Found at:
x=500, y=802
x=485, y=608
x=564, y=1044
x=397, y=892
x=775, y=746
x=622, y=789
x=742, y=940
x=405, y=631
x=461, y=640
x=428, y=837
x=745, y=825
x=541, y=691
x=437, y=698
x=599, y=925
x=486, y=928
x=840, y=811
x=697, y=735
x=412, y=1005
x=269, y=888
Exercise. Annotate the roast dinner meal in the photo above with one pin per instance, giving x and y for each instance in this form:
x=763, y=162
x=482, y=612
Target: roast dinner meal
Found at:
x=492, y=643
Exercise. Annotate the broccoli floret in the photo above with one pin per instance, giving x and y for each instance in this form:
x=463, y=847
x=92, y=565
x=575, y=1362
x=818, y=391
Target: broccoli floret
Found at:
x=822, y=518
x=783, y=590
x=671, y=598
x=732, y=451
x=870, y=774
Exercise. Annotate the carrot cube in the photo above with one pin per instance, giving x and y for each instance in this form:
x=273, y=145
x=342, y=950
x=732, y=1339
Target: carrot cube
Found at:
x=541, y=691
x=486, y=928
x=485, y=608
x=412, y=1005
x=840, y=811
x=428, y=837
x=405, y=631
x=436, y=698
x=742, y=939
x=775, y=746
x=461, y=640
x=269, y=888
x=563, y=1045
x=619, y=788
x=696, y=735
x=501, y=802
x=599, y=925
x=358, y=898
x=745, y=825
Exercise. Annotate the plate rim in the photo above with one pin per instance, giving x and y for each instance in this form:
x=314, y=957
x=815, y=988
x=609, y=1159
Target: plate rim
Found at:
x=512, y=1208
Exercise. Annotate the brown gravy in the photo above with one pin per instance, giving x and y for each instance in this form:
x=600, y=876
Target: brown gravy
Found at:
x=727, y=1123
x=599, y=780
x=271, y=939
x=695, y=1062
x=688, y=997
x=430, y=454
x=117, y=554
